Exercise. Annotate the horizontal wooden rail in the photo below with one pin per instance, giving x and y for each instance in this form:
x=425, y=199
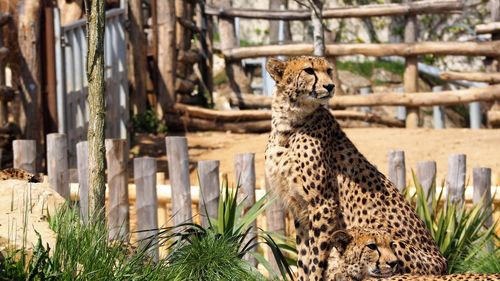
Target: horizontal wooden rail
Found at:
x=375, y=50
x=488, y=28
x=419, y=7
x=471, y=76
x=489, y=93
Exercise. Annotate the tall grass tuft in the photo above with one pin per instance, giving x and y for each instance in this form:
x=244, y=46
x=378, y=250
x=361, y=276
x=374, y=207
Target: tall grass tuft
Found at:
x=459, y=231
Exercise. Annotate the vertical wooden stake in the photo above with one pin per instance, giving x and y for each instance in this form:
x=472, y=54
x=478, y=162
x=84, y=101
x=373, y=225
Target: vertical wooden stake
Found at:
x=244, y=167
x=397, y=169
x=481, y=178
x=147, y=204
x=275, y=217
x=208, y=173
x=118, y=213
x=455, y=181
x=24, y=155
x=426, y=176
x=178, y=171
x=410, y=77
x=57, y=163
x=82, y=159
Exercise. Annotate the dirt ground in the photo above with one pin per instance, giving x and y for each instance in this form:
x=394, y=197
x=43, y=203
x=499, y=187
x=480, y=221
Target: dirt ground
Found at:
x=482, y=148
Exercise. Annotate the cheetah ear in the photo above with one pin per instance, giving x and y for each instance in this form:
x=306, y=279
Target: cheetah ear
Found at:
x=340, y=240
x=276, y=68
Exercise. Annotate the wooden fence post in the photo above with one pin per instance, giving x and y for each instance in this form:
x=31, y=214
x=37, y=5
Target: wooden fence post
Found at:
x=397, y=169
x=24, y=155
x=82, y=158
x=57, y=163
x=208, y=173
x=178, y=172
x=410, y=81
x=481, y=178
x=118, y=211
x=244, y=167
x=147, y=204
x=455, y=181
x=275, y=217
x=426, y=176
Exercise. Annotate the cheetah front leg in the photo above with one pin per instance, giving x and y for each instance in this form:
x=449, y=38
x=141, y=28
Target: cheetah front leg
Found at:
x=302, y=243
x=322, y=223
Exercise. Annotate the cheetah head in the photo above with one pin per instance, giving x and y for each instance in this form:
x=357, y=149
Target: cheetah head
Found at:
x=304, y=80
x=359, y=253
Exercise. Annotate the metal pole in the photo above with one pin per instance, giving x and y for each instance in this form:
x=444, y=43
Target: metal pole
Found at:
x=61, y=113
x=401, y=111
x=438, y=111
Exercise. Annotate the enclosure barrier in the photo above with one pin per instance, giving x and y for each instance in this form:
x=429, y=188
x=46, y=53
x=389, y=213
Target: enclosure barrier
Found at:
x=149, y=198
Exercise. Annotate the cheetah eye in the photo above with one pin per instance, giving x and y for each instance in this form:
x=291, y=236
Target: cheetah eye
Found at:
x=372, y=246
x=329, y=71
x=392, y=245
x=309, y=70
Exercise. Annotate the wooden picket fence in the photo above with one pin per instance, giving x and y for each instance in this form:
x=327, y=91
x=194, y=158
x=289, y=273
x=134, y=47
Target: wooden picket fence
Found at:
x=146, y=197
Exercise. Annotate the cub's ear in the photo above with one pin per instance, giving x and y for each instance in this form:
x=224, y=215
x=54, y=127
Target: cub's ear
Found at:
x=276, y=68
x=340, y=240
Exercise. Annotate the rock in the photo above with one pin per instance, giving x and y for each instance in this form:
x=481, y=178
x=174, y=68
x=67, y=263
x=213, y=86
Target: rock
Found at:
x=381, y=75
x=28, y=204
x=352, y=82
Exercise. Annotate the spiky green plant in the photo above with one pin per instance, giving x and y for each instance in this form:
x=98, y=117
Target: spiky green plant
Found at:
x=232, y=229
x=459, y=232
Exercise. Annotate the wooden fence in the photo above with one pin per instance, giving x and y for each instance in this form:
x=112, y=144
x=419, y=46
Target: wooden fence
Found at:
x=141, y=208
x=410, y=50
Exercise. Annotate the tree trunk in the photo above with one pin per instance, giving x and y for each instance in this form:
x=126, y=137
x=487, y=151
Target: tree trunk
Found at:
x=238, y=80
x=167, y=55
x=274, y=25
x=96, y=82
x=138, y=70
x=316, y=7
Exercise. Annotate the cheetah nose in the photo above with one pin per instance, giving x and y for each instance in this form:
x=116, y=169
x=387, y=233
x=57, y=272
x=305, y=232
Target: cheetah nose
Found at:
x=393, y=264
x=329, y=87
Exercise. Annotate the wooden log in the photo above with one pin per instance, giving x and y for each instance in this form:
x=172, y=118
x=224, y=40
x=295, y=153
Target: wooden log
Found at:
x=250, y=101
x=138, y=68
x=414, y=8
x=28, y=38
x=188, y=25
x=146, y=205
x=275, y=218
x=397, y=169
x=426, y=176
x=184, y=86
x=491, y=27
x=24, y=154
x=57, y=163
x=118, y=210
x=410, y=75
x=490, y=48
x=494, y=118
x=178, y=170
x=455, y=181
x=208, y=174
x=232, y=116
x=167, y=55
x=367, y=117
x=82, y=159
x=492, y=77
x=188, y=56
x=244, y=168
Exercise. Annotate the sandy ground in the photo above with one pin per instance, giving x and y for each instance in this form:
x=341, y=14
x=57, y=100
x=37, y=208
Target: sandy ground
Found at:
x=482, y=148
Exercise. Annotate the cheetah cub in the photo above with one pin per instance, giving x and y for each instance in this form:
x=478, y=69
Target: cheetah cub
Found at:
x=326, y=182
x=367, y=254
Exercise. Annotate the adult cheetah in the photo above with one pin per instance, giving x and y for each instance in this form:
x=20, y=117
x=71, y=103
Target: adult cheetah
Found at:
x=326, y=182
x=367, y=254
x=18, y=174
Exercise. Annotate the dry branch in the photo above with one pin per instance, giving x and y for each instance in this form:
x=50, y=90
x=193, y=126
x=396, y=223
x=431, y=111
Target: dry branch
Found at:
x=492, y=78
x=376, y=50
x=491, y=27
x=420, y=7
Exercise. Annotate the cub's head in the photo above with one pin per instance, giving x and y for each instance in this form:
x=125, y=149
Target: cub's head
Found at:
x=303, y=80
x=359, y=253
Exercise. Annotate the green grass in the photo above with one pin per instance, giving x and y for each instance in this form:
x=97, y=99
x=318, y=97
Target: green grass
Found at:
x=366, y=68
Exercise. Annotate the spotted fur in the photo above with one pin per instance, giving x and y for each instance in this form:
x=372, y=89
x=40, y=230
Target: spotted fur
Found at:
x=18, y=174
x=326, y=182
x=367, y=254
